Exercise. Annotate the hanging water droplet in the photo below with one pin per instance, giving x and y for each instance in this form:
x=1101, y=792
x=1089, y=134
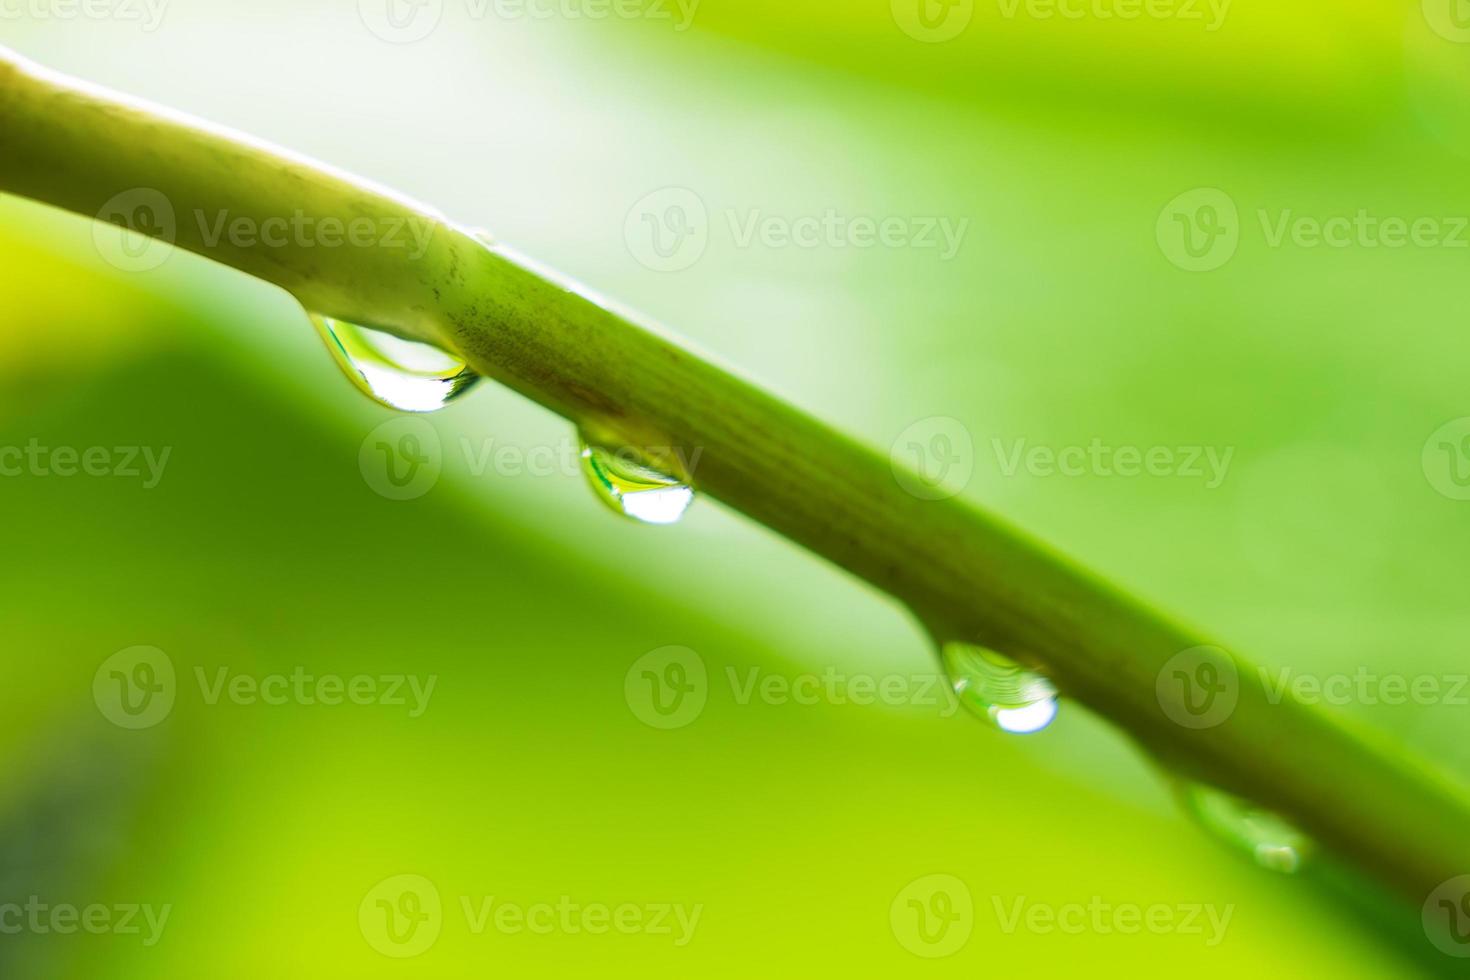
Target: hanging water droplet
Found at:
x=401, y=374
x=1267, y=838
x=632, y=488
x=998, y=689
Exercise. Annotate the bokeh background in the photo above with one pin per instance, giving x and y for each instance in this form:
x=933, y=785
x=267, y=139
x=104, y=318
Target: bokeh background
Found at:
x=1064, y=315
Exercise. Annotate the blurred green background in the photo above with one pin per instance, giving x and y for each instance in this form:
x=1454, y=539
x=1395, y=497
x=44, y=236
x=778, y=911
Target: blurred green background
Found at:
x=795, y=828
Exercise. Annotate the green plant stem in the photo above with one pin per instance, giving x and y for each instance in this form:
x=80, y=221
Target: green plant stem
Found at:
x=963, y=571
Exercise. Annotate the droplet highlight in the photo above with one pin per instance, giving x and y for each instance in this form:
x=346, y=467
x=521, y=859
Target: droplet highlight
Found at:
x=1268, y=839
x=631, y=487
x=401, y=374
x=998, y=689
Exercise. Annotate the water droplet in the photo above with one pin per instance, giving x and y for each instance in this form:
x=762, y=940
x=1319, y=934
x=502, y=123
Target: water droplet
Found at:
x=632, y=488
x=401, y=374
x=1265, y=837
x=998, y=689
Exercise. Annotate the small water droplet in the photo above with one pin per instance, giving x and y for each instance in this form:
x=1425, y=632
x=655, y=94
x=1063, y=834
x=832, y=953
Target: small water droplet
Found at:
x=998, y=689
x=401, y=374
x=632, y=488
x=1265, y=837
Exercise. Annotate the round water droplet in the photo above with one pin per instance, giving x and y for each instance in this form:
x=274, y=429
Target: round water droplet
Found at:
x=1265, y=837
x=401, y=374
x=632, y=488
x=998, y=689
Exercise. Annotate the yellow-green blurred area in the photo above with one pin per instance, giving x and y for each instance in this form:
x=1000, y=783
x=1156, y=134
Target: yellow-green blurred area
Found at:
x=1062, y=317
